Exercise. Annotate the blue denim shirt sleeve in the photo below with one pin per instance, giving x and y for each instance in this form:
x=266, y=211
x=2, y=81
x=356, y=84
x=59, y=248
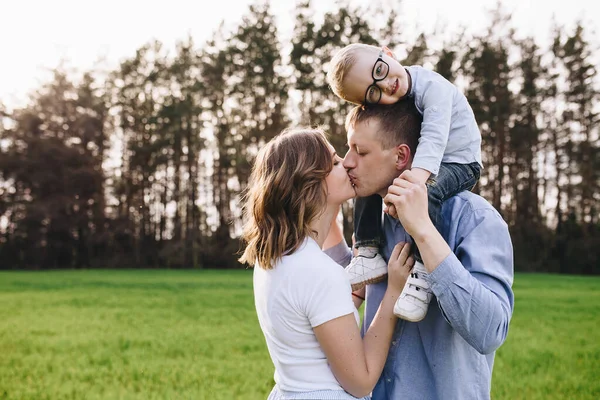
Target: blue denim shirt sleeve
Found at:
x=450, y=353
x=475, y=296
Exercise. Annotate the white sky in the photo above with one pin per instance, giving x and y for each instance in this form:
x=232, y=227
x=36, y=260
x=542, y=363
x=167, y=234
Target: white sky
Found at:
x=35, y=35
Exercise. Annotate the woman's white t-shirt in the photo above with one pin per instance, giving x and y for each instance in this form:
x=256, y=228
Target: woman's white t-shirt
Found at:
x=302, y=291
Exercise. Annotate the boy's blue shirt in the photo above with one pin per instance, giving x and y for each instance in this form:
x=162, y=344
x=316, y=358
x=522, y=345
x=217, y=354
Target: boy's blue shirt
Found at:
x=449, y=132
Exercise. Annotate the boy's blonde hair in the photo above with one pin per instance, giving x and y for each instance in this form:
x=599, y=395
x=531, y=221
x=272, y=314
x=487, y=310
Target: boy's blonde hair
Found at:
x=342, y=62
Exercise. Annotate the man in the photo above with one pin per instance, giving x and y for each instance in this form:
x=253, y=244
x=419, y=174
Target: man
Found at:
x=450, y=353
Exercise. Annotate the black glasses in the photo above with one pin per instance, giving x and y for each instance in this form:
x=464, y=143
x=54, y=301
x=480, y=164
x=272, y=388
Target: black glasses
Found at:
x=379, y=73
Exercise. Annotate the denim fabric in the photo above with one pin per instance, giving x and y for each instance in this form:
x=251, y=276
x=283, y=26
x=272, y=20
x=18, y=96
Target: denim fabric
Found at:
x=451, y=179
x=449, y=355
x=367, y=221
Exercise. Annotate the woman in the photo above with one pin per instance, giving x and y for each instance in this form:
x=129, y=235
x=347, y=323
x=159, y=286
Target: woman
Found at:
x=303, y=298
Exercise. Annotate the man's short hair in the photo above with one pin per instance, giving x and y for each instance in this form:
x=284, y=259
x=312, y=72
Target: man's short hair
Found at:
x=399, y=123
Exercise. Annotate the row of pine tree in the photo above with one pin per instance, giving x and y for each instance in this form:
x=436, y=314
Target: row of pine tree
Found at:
x=143, y=165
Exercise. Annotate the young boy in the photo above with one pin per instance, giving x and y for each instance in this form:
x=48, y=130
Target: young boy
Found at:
x=447, y=159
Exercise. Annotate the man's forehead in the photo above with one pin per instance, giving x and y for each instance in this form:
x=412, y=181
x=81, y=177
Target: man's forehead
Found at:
x=363, y=132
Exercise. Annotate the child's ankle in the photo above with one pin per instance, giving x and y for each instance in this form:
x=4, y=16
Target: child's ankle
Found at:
x=368, y=251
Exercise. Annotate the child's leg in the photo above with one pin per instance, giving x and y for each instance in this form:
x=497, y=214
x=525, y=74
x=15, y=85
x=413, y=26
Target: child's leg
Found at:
x=368, y=266
x=367, y=221
x=451, y=179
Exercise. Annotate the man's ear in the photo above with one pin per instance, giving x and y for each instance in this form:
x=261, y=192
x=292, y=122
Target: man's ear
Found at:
x=387, y=51
x=403, y=157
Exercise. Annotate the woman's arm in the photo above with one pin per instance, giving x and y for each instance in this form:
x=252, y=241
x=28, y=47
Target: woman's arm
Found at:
x=357, y=362
x=336, y=238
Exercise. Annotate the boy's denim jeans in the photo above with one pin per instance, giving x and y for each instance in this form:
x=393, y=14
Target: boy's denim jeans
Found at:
x=451, y=179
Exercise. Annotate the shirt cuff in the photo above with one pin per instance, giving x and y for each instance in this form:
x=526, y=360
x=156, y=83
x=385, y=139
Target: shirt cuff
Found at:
x=445, y=274
x=340, y=253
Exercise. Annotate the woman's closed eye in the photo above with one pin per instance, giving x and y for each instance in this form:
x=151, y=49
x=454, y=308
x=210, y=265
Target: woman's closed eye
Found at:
x=336, y=159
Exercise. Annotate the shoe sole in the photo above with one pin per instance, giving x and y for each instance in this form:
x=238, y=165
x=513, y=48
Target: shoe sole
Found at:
x=409, y=319
x=360, y=285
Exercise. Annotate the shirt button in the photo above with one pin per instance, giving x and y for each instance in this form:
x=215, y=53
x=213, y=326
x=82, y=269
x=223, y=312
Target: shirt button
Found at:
x=394, y=342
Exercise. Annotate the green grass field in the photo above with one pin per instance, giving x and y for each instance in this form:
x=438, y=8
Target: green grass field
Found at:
x=194, y=335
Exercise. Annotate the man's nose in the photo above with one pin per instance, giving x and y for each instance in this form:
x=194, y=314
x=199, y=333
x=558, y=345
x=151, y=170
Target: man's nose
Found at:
x=349, y=161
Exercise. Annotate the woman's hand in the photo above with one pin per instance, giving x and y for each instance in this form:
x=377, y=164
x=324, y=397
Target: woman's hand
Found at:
x=357, y=362
x=399, y=266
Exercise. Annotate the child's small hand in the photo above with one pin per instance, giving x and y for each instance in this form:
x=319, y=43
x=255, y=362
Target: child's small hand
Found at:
x=390, y=210
x=421, y=175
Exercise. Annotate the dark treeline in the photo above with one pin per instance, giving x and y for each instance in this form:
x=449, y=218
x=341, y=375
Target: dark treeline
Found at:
x=144, y=167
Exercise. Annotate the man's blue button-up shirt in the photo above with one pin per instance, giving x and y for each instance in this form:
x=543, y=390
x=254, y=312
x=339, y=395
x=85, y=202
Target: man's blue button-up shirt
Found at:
x=449, y=355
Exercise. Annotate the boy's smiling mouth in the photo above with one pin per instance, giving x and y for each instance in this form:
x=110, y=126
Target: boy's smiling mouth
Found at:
x=394, y=87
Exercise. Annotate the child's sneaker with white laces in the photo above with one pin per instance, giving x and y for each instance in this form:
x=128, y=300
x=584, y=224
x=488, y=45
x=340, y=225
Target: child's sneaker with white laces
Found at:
x=414, y=300
x=367, y=267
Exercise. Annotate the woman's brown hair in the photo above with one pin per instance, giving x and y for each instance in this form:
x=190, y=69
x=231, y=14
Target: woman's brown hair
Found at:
x=286, y=192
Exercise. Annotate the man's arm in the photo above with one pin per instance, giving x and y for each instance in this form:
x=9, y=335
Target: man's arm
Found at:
x=473, y=284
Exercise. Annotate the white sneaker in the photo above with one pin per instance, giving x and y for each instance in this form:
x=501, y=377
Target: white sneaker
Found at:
x=414, y=300
x=367, y=267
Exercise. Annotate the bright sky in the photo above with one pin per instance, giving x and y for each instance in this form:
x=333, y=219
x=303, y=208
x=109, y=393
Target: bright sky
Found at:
x=36, y=35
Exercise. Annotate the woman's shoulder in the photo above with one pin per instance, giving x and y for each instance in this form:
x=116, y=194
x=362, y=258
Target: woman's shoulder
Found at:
x=310, y=260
